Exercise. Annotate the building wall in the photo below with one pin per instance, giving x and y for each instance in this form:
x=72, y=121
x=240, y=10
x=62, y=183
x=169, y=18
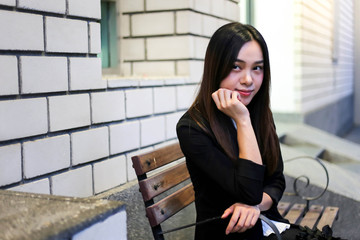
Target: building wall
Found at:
x=67, y=129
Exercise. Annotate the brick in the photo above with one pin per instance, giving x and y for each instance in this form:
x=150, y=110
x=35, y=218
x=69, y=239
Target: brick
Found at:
x=163, y=47
x=9, y=81
x=64, y=114
x=125, y=25
x=23, y=118
x=200, y=44
x=114, y=225
x=107, y=106
x=55, y=6
x=40, y=187
x=132, y=5
x=160, y=68
x=232, y=11
x=217, y=8
x=167, y=5
x=203, y=6
x=171, y=121
x=95, y=38
x=109, y=174
x=152, y=24
x=193, y=69
x=133, y=49
x=210, y=25
x=10, y=164
x=66, y=35
x=74, y=183
x=164, y=99
x=43, y=74
x=185, y=96
x=11, y=3
x=131, y=175
x=89, y=145
x=91, y=9
x=139, y=102
x=188, y=22
x=124, y=137
x=24, y=31
x=46, y=155
x=85, y=73
x=152, y=130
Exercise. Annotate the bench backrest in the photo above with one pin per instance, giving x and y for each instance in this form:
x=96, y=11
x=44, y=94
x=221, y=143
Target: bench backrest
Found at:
x=158, y=172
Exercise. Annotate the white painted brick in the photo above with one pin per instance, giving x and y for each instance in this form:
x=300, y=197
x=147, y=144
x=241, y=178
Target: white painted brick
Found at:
x=152, y=130
x=232, y=11
x=161, y=68
x=91, y=9
x=217, y=8
x=124, y=137
x=112, y=227
x=193, y=69
x=40, y=187
x=66, y=35
x=125, y=25
x=74, y=183
x=8, y=2
x=200, y=47
x=46, y=155
x=89, y=145
x=152, y=24
x=168, y=5
x=69, y=111
x=10, y=164
x=85, y=73
x=209, y=25
x=24, y=31
x=139, y=102
x=132, y=5
x=9, y=81
x=55, y=6
x=95, y=37
x=133, y=49
x=202, y=6
x=163, y=47
x=131, y=175
x=109, y=174
x=171, y=121
x=107, y=106
x=23, y=118
x=188, y=22
x=185, y=96
x=126, y=69
x=43, y=74
x=164, y=99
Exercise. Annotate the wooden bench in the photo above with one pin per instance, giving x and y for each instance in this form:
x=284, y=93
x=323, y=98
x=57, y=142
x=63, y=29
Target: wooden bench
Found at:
x=164, y=169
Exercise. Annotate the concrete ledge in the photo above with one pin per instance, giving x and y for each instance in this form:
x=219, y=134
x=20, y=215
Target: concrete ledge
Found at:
x=40, y=216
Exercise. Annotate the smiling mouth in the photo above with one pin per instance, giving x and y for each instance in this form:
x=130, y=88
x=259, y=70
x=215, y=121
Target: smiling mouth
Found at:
x=245, y=92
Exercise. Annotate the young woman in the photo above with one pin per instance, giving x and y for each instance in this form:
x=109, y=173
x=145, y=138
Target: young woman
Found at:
x=228, y=138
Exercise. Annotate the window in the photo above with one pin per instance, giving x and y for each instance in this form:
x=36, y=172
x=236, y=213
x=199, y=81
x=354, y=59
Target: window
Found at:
x=247, y=11
x=109, y=36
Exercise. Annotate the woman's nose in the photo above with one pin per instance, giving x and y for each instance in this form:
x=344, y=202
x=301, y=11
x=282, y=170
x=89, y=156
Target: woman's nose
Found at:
x=246, y=78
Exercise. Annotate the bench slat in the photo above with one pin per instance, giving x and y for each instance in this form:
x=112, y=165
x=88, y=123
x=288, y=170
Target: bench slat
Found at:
x=161, y=182
x=283, y=208
x=328, y=217
x=295, y=213
x=312, y=216
x=144, y=163
x=168, y=206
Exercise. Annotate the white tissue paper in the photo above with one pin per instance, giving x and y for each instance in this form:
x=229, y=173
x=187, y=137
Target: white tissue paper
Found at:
x=267, y=230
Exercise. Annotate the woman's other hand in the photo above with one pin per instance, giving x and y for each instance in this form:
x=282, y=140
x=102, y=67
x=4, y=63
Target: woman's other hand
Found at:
x=243, y=217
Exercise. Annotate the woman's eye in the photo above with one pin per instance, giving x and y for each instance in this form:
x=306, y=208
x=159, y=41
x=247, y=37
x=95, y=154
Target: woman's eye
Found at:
x=236, y=67
x=258, y=68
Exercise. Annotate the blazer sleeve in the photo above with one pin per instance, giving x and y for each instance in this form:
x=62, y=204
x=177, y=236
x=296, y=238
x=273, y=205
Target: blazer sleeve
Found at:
x=243, y=180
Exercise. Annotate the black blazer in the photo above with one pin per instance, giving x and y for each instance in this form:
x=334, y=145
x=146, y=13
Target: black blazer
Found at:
x=219, y=183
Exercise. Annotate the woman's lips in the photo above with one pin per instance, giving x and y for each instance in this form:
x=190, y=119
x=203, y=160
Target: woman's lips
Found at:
x=245, y=92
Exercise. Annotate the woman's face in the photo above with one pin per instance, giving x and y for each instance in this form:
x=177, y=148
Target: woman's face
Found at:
x=247, y=74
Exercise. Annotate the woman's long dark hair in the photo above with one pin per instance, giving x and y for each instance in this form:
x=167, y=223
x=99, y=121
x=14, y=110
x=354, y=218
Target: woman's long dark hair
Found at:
x=221, y=54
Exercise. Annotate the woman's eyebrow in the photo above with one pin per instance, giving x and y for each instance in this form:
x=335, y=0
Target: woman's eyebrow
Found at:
x=256, y=62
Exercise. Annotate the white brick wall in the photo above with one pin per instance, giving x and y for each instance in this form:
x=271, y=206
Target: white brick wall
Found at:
x=185, y=96
x=95, y=37
x=132, y=5
x=109, y=174
x=131, y=175
x=8, y=2
x=43, y=74
x=171, y=121
x=69, y=111
x=85, y=73
x=41, y=187
x=185, y=22
x=160, y=68
x=23, y=118
x=164, y=99
x=66, y=35
x=133, y=49
x=74, y=183
x=167, y=5
x=89, y=145
x=124, y=137
x=164, y=47
x=46, y=155
x=91, y=9
x=10, y=164
x=152, y=130
x=9, y=81
x=152, y=24
x=139, y=102
x=55, y=6
x=108, y=106
x=20, y=26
